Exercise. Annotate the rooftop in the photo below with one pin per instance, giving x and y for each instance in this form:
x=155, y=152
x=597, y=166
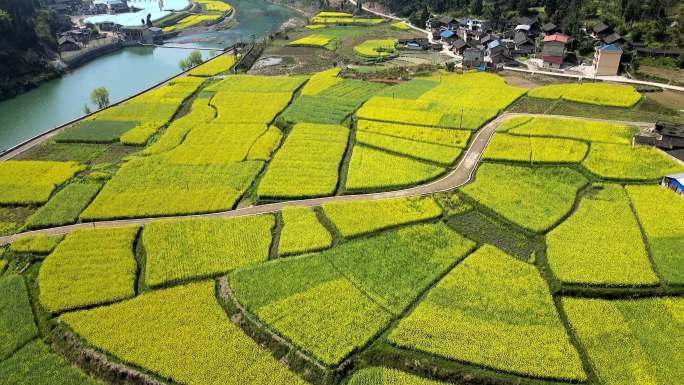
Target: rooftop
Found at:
x=565, y=39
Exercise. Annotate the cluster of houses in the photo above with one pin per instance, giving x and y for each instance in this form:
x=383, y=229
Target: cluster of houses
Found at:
x=88, y=7
x=479, y=46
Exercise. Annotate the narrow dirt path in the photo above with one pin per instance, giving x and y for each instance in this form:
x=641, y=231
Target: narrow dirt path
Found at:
x=457, y=177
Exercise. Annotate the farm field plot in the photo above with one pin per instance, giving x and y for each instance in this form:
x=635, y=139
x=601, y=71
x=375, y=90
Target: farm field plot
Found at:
x=181, y=334
x=35, y=364
x=329, y=100
x=358, y=218
x=368, y=170
x=633, y=163
x=32, y=182
x=603, y=94
x=587, y=249
x=663, y=228
x=646, y=334
x=444, y=155
x=37, y=244
x=63, y=152
x=216, y=66
x=321, y=41
x=200, y=165
x=450, y=101
x=302, y=232
x=65, y=206
x=180, y=250
x=96, y=131
x=329, y=304
x=343, y=18
x=16, y=318
x=308, y=163
x=376, y=49
x=384, y=376
x=466, y=317
x=192, y=21
x=155, y=187
x=89, y=267
x=528, y=149
x=533, y=198
x=431, y=135
x=579, y=129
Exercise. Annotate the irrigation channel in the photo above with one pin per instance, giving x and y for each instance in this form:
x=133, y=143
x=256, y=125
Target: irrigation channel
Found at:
x=124, y=73
x=457, y=177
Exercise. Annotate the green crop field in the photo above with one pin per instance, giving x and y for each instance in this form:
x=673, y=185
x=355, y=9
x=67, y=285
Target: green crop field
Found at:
x=645, y=334
x=89, y=267
x=65, y=206
x=197, y=345
x=603, y=94
x=307, y=164
x=529, y=149
x=302, y=232
x=634, y=163
x=368, y=170
x=32, y=182
x=663, y=228
x=494, y=311
x=533, y=198
x=587, y=249
x=195, y=248
x=384, y=376
x=354, y=226
x=338, y=294
x=38, y=244
x=358, y=218
x=16, y=318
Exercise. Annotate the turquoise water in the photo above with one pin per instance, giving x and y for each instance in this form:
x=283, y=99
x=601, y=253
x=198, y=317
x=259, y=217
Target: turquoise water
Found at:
x=123, y=73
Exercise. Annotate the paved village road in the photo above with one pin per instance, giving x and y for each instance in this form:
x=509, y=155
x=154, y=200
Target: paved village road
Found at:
x=457, y=177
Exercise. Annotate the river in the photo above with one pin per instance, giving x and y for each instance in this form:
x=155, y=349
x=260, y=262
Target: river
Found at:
x=124, y=73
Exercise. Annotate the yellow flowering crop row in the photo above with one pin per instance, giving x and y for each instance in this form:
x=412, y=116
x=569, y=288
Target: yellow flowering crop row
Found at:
x=312, y=41
x=38, y=244
x=32, y=182
x=527, y=149
x=603, y=94
x=192, y=21
x=302, y=232
x=16, y=317
x=215, y=66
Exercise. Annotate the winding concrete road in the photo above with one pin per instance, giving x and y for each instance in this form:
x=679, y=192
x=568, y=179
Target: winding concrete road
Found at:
x=457, y=177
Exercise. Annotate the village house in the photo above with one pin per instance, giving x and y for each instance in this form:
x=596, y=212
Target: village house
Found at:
x=607, y=60
x=459, y=46
x=555, y=50
x=473, y=58
x=523, y=44
x=66, y=43
x=549, y=29
x=415, y=44
x=601, y=30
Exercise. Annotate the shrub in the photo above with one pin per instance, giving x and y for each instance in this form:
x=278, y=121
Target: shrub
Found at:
x=630, y=341
x=467, y=317
x=363, y=217
x=302, y=232
x=533, y=198
x=327, y=303
x=659, y=212
x=180, y=250
x=368, y=170
x=3, y=263
x=16, y=316
x=38, y=244
x=528, y=149
x=32, y=182
x=307, y=164
x=600, y=243
x=96, y=131
x=603, y=94
x=622, y=162
x=65, y=207
x=89, y=267
x=181, y=334
x=35, y=364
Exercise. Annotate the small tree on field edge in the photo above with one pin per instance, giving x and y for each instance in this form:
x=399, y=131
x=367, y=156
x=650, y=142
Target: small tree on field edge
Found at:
x=100, y=97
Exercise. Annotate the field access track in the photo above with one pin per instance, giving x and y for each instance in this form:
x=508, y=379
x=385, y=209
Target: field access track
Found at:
x=457, y=177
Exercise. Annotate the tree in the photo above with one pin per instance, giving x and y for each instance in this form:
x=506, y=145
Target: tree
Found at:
x=194, y=59
x=476, y=7
x=100, y=97
x=86, y=109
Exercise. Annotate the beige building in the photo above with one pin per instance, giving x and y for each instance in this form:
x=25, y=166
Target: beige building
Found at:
x=607, y=60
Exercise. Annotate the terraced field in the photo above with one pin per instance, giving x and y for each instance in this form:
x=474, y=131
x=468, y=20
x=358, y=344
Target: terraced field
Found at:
x=556, y=262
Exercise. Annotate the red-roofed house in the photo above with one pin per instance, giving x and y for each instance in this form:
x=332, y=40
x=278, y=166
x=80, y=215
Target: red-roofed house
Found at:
x=555, y=50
